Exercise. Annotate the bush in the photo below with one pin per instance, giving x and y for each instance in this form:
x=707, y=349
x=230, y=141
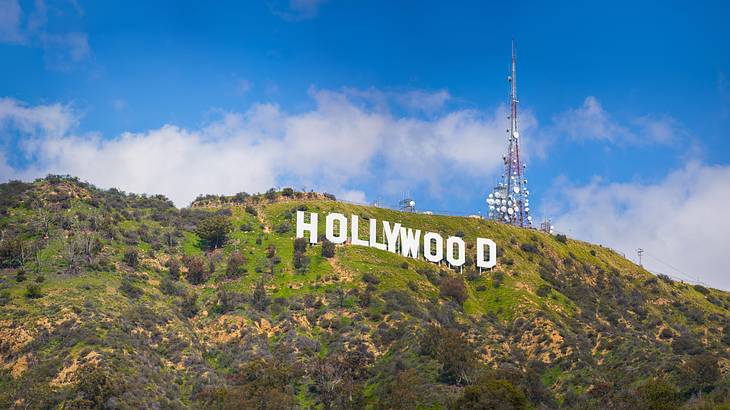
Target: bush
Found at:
x=283, y=228
x=251, y=210
x=491, y=393
x=368, y=277
x=173, y=267
x=196, y=273
x=453, y=288
x=129, y=289
x=171, y=288
x=300, y=245
x=561, y=238
x=236, y=265
x=328, y=249
x=287, y=192
x=543, y=290
x=20, y=276
x=529, y=247
x=246, y=227
x=259, y=299
x=404, y=265
x=703, y=290
x=5, y=297
x=131, y=257
x=213, y=231
x=33, y=291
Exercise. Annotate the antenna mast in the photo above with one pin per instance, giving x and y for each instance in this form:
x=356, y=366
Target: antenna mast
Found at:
x=509, y=202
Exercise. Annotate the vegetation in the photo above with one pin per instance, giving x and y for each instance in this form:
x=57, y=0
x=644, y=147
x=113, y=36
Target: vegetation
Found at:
x=142, y=305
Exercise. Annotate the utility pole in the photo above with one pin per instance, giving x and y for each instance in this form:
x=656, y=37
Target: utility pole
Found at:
x=640, y=252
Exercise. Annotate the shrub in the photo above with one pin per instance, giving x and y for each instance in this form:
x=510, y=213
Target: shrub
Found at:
x=404, y=265
x=287, y=192
x=260, y=299
x=20, y=276
x=703, y=290
x=561, y=238
x=129, y=289
x=196, y=273
x=453, y=288
x=300, y=245
x=171, y=288
x=543, y=290
x=658, y=394
x=213, y=231
x=251, y=210
x=246, y=227
x=236, y=265
x=328, y=249
x=131, y=257
x=188, y=305
x=491, y=393
x=529, y=247
x=173, y=267
x=33, y=291
x=300, y=261
x=271, y=251
x=368, y=277
x=283, y=228
x=329, y=196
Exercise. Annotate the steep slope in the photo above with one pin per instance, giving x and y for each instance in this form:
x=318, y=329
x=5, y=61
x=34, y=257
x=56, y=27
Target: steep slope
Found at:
x=114, y=300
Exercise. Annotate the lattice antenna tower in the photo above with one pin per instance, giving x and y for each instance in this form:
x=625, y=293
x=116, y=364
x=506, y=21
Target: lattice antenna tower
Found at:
x=509, y=201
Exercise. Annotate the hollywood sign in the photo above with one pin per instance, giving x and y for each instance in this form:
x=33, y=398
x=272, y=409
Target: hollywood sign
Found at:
x=397, y=239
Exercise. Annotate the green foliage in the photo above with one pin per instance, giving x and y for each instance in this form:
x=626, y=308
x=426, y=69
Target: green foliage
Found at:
x=33, y=291
x=658, y=395
x=236, y=265
x=259, y=299
x=131, y=257
x=543, y=290
x=129, y=289
x=561, y=238
x=195, y=265
x=453, y=288
x=213, y=231
x=328, y=249
x=491, y=393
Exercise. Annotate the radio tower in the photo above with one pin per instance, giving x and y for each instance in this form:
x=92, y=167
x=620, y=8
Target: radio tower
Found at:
x=509, y=202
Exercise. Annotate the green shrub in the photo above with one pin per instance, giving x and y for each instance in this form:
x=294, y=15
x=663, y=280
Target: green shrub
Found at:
x=561, y=238
x=33, y=291
x=213, y=231
x=236, y=265
x=196, y=273
x=328, y=249
x=453, y=288
x=368, y=277
x=543, y=290
x=129, y=289
x=131, y=257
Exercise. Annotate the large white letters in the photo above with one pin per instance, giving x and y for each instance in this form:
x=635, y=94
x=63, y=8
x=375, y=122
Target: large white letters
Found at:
x=310, y=226
x=492, y=261
x=330, y=228
x=433, y=255
x=410, y=240
x=460, y=251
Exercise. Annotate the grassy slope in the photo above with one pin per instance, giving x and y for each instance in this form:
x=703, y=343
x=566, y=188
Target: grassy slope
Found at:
x=598, y=323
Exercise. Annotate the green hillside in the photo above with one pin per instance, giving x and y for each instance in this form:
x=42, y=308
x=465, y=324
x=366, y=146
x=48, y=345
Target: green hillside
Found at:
x=115, y=300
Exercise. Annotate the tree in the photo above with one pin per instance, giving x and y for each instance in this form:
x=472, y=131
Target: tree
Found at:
x=236, y=265
x=491, y=393
x=196, y=273
x=259, y=299
x=454, y=288
x=213, y=231
x=131, y=257
x=328, y=249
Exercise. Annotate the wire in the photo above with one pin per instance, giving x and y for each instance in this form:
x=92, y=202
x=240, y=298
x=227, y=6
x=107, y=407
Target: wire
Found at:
x=686, y=276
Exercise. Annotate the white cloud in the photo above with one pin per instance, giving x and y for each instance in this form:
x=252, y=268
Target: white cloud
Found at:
x=338, y=144
x=592, y=122
x=680, y=220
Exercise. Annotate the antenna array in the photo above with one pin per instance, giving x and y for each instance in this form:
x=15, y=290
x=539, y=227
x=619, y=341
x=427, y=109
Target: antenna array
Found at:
x=509, y=201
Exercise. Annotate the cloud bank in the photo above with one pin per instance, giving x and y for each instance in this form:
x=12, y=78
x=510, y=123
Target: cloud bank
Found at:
x=680, y=221
x=347, y=139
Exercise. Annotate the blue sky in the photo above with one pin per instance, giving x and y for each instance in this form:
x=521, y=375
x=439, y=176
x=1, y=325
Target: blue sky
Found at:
x=628, y=102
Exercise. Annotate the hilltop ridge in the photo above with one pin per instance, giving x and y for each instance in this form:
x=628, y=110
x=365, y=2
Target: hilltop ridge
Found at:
x=112, y=300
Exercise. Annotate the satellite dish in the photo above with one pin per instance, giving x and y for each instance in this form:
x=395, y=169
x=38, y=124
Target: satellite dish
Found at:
x=491, y=195
x=527, y=209
x=509, y=202
x=510, y=211
x=516, y=189
x=517, y=134
x=491, y=207
x=503, y=209
x=529, y=218
x=412, y=203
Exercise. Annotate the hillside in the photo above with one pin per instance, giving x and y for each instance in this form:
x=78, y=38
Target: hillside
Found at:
x=115, y=300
